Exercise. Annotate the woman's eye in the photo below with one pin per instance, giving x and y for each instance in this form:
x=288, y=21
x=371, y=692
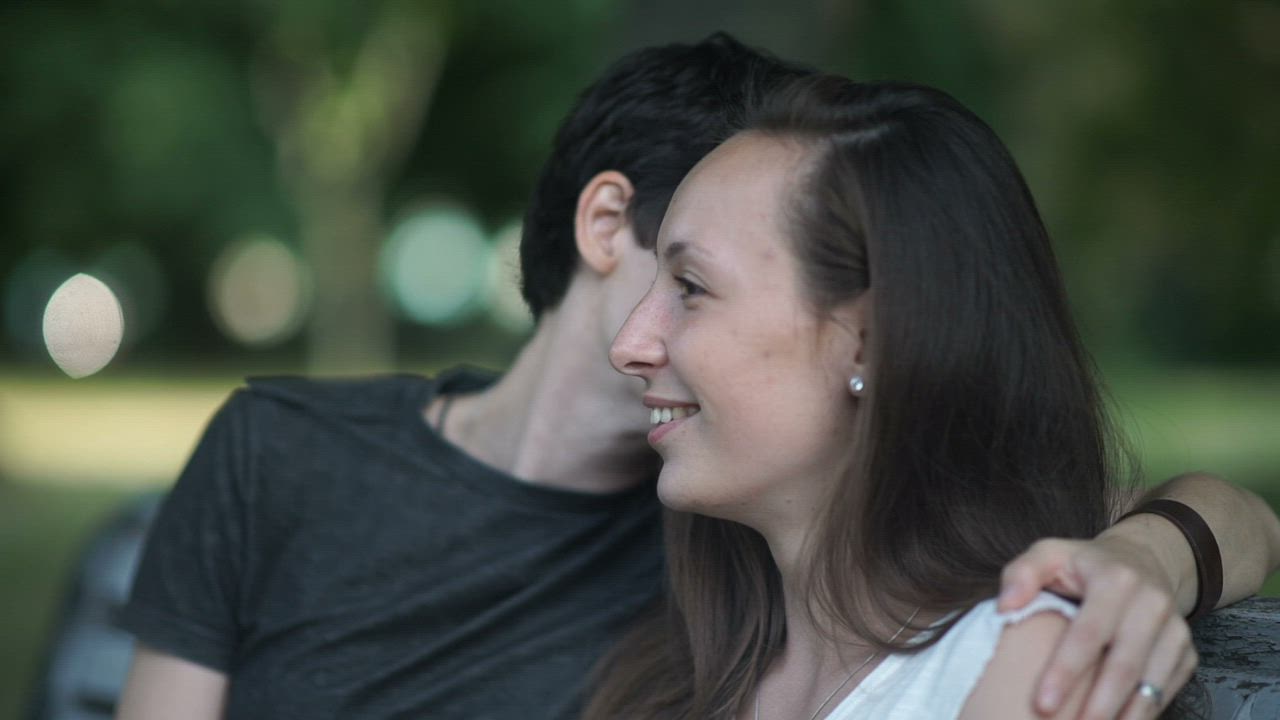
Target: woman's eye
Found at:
x=688, y=288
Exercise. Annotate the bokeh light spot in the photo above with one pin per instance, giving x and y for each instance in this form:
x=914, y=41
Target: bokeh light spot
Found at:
x=506, y=304
x=83, y=325
x=259, y=292
x=433, y=265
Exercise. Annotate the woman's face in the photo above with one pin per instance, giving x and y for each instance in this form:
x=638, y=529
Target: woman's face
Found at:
x=755, y=382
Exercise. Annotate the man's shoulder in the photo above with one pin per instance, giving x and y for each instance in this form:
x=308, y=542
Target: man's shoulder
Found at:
x=354, y=398
x=288, y=423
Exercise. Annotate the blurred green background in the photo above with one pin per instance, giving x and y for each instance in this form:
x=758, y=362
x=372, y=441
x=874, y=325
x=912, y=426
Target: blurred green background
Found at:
x=334, y=186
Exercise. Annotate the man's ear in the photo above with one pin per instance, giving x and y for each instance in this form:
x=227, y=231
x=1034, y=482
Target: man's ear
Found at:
x=601, y=224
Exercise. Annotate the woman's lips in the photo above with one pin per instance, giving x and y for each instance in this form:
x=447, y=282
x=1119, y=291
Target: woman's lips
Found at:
x=666, y=414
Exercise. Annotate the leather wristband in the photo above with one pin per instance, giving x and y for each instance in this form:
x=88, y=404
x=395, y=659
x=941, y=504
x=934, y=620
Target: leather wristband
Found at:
x=1204, y=547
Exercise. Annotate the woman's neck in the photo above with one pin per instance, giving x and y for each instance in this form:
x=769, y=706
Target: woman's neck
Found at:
x=817, y=655
x=817, y=668
x=821, y=656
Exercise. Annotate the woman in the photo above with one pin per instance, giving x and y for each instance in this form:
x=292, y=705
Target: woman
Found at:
x=869, y=396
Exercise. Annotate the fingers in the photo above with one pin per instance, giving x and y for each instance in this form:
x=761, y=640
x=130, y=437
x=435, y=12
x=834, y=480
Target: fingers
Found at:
x=1173, y=660
x=1036, y=569
x=1096, y=627
x=1134, y=657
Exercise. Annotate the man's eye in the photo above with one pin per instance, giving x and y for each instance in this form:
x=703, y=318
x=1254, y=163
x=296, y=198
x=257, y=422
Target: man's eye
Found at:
x=688, y=288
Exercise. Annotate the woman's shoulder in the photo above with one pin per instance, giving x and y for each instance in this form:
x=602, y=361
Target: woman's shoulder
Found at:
x=938, y=681
x=986, y=615
x=977, y=636
x=1025, y=640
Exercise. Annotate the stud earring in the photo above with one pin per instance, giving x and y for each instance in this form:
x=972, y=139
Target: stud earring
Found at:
x=856, y=385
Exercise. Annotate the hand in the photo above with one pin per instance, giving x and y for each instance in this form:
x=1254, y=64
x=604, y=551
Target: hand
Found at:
x=1128, y=622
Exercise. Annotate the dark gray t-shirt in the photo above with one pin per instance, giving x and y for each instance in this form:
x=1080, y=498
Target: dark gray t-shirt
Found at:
x=338, y=559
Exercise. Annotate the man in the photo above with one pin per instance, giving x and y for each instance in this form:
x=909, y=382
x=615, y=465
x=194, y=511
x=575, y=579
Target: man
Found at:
x=464, y=547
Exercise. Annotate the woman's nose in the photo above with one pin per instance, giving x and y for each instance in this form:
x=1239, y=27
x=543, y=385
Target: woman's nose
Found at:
x=638, y=348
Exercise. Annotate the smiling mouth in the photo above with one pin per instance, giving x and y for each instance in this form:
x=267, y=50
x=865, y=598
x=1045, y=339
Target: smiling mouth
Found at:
x=661, y=416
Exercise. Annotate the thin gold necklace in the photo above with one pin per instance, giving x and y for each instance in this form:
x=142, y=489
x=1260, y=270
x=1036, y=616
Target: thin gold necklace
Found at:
x=861, y=665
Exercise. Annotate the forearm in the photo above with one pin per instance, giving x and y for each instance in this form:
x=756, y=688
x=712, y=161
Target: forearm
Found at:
x=161, y=686
x=1246, y=529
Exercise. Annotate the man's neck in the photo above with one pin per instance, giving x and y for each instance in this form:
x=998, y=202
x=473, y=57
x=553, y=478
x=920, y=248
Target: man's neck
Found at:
x=560, y=417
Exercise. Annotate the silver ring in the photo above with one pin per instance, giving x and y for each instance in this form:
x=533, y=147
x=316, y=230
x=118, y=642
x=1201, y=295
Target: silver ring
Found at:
x=1151, y=692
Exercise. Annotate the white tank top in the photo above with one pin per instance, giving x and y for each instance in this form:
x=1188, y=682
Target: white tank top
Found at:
x=934, y=684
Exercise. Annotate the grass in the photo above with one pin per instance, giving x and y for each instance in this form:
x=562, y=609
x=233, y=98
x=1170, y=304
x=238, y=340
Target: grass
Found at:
x=1225, y=420
x=71, y=452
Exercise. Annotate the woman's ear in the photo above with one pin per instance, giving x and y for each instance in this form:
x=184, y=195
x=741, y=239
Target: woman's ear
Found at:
x=853, y=320
x=862, y=321
x=601, y=222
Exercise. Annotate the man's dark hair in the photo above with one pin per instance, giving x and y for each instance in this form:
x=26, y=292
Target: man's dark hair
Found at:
x=652, y=116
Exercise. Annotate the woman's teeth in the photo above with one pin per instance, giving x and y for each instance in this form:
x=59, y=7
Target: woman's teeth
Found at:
x=658, y=416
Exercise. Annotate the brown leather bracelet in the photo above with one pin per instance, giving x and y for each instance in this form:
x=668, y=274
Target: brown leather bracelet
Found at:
x=1204, y=547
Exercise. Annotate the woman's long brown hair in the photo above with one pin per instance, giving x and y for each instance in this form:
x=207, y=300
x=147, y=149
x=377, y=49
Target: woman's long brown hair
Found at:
x=982, y=428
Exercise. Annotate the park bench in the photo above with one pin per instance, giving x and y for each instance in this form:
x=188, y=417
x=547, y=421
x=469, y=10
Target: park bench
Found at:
x=1238, y=677
x=1240, y=660
x=88, y=657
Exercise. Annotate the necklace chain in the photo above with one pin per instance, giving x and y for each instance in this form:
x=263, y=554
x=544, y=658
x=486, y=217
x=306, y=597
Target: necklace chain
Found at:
x=861, y=665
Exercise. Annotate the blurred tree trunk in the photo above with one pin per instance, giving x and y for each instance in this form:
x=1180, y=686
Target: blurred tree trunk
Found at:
x=341, y=133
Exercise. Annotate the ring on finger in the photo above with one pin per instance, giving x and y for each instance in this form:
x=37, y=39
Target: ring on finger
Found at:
x=1151, y=692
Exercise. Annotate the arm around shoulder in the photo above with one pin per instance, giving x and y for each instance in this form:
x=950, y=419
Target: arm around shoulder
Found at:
x=1244, y=525
x=163, y=686
x=1006, y=688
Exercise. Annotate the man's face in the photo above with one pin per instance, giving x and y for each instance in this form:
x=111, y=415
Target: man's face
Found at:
x=636, y=270
x=624, y=287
